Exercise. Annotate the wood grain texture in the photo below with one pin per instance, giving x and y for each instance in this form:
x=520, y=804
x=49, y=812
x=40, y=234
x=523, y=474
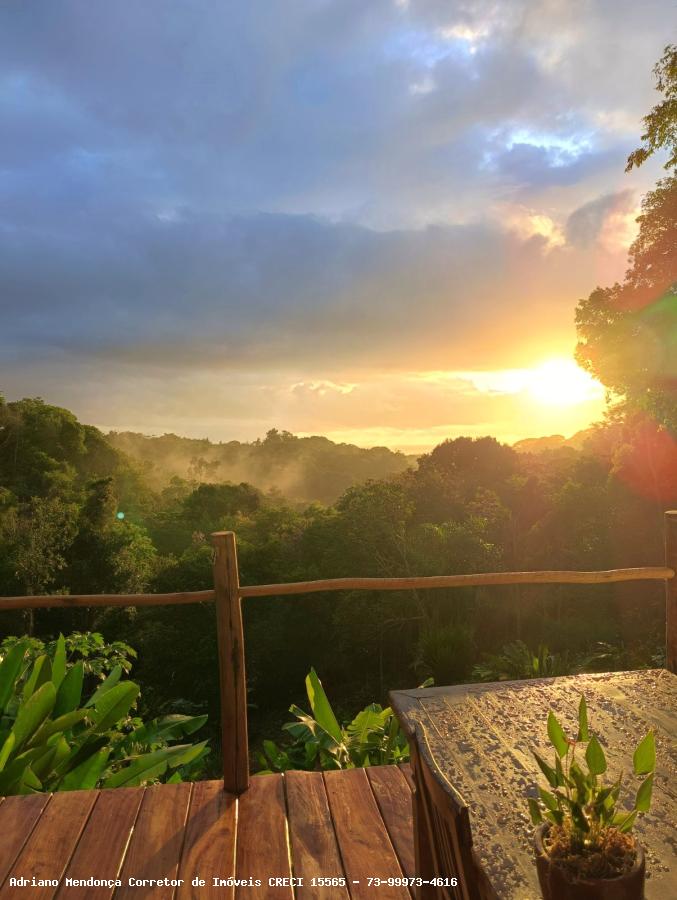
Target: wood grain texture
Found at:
x=314, y=849
x=47, y=851
x=366, y=849
x=66, y=601
x=18, y=817
x=101, y=849
x=671, y=592
x=482, y=736
x=263, y=840
x=155, y=848
x=232, y=678
x=647, y=573
x=209, y=845
x=393, y=796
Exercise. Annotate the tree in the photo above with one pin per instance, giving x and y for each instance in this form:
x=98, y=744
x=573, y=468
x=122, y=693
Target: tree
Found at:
x=661, y=122
x=628, y=332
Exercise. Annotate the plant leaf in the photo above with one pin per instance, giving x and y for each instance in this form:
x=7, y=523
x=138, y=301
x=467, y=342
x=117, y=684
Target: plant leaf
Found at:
x=583, y=734
x=547, y=770
x=556, y=735
x=595, y=758
x=644, y=757
x=87, y=773
x=643, y=799
x=59, y=662
x=33, y=713
x=535, y=812
x=70, y=690
x=105, y=686
x=9, y=671
x=114, y=705
x=321, y=707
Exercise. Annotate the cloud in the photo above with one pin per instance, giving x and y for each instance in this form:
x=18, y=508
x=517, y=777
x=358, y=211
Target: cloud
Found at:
x=587, y=223
x=306, y=194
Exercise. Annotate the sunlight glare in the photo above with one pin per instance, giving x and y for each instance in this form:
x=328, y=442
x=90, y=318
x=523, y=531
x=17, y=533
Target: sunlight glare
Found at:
x=560, y=382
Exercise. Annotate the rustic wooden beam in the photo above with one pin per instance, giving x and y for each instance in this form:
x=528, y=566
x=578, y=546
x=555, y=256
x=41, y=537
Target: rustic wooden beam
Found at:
x=232, y=680
x=68, y=601
x=671, y=592
x=648, y=573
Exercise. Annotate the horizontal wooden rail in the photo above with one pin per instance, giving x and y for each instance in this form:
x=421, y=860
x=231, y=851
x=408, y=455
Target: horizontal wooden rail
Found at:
x=67, y=601
x=649, y=573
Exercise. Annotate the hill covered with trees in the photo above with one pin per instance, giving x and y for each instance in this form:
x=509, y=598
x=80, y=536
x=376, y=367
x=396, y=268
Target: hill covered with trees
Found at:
x=306, y=469
x=78, y=515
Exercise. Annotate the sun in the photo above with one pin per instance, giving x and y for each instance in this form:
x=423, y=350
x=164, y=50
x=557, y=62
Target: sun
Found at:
x=560, y=382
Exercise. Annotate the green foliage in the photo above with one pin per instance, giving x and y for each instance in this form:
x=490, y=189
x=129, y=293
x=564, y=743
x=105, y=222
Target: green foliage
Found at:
x=628, y=332
x=582, y=802
x=661, y=123
x=372, y=738
x=98, y=657
x=516, y=662
x=50, y=740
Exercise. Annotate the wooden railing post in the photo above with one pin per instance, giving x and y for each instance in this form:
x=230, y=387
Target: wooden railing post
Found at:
x=232, y=680
x=671, y=591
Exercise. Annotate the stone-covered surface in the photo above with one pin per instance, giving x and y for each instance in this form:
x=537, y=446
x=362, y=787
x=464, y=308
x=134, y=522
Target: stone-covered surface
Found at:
x=482, y=736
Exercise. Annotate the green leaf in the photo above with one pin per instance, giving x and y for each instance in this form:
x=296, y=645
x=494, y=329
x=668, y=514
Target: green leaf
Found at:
x=7, y=748
x=644, y=757
x=556, y=735
x=321, y=707
x=87, y=774
x=33, y=713
x=535, y=812
x=9, y=671
x=583, y=734
x=595, y=758
x=59, y=662
x=105, y=686
x=40, y=674
x=152, y=765
x=70, y=690
x=578, y=817
x=62, y=723
x=547, y=770
x=114, y=705
x=643, y=799
x=625, y=822
x=555, y=816
x=548, y=799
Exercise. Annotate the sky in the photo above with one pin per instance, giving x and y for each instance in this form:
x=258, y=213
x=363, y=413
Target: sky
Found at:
x=368, y=220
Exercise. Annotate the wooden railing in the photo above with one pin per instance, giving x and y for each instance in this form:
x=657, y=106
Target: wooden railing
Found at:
x=228, y=594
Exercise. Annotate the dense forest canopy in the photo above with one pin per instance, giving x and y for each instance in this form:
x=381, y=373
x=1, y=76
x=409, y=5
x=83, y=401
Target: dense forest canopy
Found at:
x=77, y=514
x=306, y=469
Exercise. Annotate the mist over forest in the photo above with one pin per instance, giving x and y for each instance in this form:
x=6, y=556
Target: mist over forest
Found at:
x=303, y=469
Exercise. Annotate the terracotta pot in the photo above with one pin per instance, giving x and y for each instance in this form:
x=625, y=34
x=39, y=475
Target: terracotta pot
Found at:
x=557, y=884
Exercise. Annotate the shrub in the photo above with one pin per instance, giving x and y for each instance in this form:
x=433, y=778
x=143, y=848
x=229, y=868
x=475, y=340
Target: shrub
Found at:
x=51, y=741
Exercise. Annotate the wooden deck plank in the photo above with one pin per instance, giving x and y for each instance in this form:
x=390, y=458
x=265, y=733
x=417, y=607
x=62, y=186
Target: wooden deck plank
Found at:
x=393, y=795
x=209, y=846
x=365, y=846
x=155, y=848
x=102, y=846
x=405, y=769
x=18, y=816
x=315, y=852
x=47, y=851
x=262, y=839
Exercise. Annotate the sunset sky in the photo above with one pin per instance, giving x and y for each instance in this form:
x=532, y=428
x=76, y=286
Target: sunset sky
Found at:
x=368, y=219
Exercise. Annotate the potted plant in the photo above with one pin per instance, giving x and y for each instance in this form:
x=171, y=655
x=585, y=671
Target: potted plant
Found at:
x=585, y=849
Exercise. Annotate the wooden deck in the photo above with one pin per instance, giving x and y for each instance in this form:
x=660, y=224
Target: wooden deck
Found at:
x=354, y=825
